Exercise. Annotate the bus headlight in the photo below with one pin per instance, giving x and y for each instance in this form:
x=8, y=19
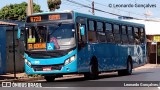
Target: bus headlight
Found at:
x=66, y=62
x=27, y=62
x=69, y=60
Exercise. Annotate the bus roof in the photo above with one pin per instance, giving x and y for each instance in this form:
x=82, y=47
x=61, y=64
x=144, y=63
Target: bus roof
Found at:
x=51, y=12
x=111, y=20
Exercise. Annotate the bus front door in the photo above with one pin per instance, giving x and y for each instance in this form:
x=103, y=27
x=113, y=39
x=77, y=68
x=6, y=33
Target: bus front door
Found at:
x=82, y=55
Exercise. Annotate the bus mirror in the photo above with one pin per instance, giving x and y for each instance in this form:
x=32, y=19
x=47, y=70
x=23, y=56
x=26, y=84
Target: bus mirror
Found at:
x=19, y=33
x=82, y=31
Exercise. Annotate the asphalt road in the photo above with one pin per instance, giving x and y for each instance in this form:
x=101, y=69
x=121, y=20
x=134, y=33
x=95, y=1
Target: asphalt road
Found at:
x=146, y=76
x=106, y=81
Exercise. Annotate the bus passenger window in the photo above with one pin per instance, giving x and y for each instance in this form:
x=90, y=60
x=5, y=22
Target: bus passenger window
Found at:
x=117, y=34
x=124, y=30
x=100, y=34
x=109, y=33
x=130, y=35
x=136, y=36
x=124, y=34
x=116, y=29
x=99, y=26
x=142, y=35
x=92, y=33
x=91, y=26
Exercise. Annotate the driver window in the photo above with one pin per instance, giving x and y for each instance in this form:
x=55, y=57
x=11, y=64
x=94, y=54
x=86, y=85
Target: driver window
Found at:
x=81, y=38
x=84, y=36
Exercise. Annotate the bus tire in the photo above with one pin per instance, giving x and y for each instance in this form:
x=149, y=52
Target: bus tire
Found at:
x=127, y=71
x=49, y=78
x=129, y=67
x=93, y=70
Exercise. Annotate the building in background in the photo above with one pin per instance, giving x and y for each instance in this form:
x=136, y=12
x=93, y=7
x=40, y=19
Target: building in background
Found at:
x=6, y=47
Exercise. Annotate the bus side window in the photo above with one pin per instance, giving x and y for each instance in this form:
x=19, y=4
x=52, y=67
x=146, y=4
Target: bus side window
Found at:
x=100, y=34
x=117, y=35
x=92, y=33
x=84, y=36
x=109, y=32
x=136, y=36
x=130, y=35
x=142, y=35
x=124, y=34
x=81, y=38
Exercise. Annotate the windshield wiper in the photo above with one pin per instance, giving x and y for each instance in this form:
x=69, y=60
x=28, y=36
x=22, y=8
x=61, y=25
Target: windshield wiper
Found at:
x=59, y=24
x=39, y=35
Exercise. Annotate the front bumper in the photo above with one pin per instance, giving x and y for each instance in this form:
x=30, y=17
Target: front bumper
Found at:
x=63, y=69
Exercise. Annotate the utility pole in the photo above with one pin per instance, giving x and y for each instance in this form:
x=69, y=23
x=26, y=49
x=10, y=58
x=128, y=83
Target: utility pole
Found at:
x=30, y=11
x=30, y=7
x=148, y=13
x=93, y=7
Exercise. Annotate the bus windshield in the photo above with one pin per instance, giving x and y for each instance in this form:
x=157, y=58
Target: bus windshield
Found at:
x=63, y=36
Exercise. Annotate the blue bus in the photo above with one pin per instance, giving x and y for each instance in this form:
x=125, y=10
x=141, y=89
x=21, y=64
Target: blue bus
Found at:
x=69, y=42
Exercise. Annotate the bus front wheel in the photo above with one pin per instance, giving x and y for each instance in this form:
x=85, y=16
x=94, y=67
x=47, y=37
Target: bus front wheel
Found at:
x=93, y=71
x=49, y=78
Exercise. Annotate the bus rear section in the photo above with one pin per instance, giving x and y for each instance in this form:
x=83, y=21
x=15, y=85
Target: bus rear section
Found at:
x=109, y=45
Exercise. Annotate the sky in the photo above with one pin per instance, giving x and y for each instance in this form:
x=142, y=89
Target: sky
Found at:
x=133, y=8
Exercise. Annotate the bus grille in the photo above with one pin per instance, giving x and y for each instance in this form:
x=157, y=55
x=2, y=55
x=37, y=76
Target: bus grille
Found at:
x=53, y=67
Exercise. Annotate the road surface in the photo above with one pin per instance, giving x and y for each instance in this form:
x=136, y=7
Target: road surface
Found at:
x=106, y=81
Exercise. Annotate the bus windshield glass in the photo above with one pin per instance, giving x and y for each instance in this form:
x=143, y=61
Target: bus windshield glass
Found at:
x=61, y=35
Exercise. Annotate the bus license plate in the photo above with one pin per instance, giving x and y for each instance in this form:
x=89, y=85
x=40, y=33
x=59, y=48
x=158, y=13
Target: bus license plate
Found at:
x=47, y=69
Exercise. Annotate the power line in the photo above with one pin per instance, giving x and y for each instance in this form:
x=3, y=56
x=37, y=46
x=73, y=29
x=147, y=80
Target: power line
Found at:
x=125, y=10
x=70, y=4
x=91, y=7
x=76, y=7
x=71, y=1
x=97, y=9
x=156, y=3
x=116, y=8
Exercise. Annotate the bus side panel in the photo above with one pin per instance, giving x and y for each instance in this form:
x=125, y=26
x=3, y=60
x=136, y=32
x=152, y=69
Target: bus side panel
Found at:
x=110, y=56
x=138, y=55
x=123, y=56
x=105, y=55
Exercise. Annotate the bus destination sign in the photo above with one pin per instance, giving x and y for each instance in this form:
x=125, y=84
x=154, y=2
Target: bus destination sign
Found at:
x=48, y=17
x=35, y=19
x=54, y=17
x=37, y=46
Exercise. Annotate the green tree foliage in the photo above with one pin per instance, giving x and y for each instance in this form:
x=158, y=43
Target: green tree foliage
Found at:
x=53, y=4
x=16, y=11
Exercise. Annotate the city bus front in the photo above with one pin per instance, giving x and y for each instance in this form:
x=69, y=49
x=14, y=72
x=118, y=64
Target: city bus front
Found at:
x=50, y=44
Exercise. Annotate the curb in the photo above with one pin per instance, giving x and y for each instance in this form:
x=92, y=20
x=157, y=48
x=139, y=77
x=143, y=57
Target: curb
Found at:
x=22, y=80
x=147, y=66
x=37, y=78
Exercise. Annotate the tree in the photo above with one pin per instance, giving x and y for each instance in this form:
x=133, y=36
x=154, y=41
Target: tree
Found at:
x=53, y=4
x=16, y=11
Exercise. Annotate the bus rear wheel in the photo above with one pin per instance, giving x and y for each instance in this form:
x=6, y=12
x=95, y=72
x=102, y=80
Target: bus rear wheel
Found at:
x=127, y=71
x=129, y=68
x=49, y=78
